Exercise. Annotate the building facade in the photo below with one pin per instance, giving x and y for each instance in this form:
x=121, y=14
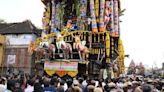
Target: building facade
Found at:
x=18, y=37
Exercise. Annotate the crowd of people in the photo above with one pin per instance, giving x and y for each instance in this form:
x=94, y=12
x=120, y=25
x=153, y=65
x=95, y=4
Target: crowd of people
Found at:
x=35, y=83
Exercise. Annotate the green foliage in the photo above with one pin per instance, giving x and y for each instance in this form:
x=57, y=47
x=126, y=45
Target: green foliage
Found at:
x=2, y=21
x=69, y=9
x=77, y=7
x=121, y=12
x=61, y=12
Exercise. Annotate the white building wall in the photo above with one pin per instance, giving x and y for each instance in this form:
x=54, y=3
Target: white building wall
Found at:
x=20, y=39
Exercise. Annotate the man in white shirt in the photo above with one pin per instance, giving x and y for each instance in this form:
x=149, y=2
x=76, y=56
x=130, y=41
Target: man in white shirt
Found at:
x=2, y=85
x=30, y=87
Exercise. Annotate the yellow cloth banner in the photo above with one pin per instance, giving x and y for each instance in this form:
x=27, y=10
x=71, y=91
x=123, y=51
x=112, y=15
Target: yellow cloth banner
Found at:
x=61, y=73
x=61, y=68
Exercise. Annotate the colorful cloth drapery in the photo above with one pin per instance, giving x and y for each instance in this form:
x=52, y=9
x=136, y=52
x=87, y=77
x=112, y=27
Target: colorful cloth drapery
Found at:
x=102, y=3
x=116, y=20
x=92, y=11
x=83, y=8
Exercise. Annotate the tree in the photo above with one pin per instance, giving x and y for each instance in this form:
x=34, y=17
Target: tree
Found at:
x=2, y=21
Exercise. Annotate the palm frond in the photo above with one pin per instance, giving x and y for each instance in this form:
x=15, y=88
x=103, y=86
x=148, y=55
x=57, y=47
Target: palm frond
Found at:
x=121, y=12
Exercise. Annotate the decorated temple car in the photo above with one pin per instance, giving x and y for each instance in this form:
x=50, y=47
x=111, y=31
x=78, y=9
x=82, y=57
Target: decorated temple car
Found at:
x=83, y=32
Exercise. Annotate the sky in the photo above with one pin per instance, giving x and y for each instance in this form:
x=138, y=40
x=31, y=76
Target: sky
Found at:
x=141, y=30
x=20, y=10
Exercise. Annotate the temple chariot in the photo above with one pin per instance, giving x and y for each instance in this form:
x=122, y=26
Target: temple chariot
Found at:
x=80, y=37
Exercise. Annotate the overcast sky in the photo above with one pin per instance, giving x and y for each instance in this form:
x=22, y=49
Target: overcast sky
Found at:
x=141, y=30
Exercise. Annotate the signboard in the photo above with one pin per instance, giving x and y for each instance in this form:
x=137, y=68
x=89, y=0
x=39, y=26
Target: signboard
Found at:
x=71, y=66
x=61, y=66
x=52, y=66
x=11, y=59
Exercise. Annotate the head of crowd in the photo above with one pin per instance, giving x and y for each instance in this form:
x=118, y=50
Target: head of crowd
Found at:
x=36, y=83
